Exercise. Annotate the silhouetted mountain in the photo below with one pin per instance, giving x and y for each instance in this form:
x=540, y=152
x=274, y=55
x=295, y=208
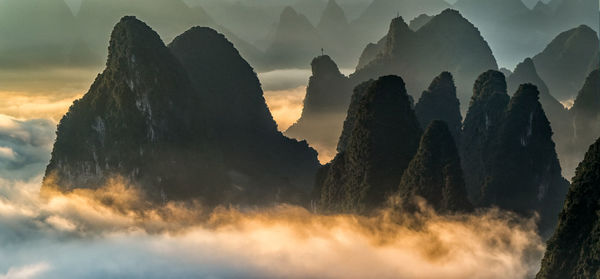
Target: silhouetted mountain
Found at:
x=514, y=31
x=325, y=106
x=335, y=32
x=479, y=129
x=370, y=53
x=524, y=174
x=572, y=252
x=439, y=102
x=448, y=42
x=170, y=17
x=565, y=62
x=376, y=17
x=265, y=165
x=586, y=115
x=296, y=41
x=351, y=116
x=384, y=138
x=435, y=173
x=420, y=21
x=140, y=120
x=557, y=114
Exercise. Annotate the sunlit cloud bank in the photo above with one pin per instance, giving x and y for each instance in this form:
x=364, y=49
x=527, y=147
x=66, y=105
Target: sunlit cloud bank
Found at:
x=43, y=92
x=286, y=105
x=111, y=233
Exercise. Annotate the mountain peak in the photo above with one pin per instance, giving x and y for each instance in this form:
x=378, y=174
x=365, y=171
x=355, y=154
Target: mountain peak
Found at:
x=489, y=84
x=435, y=172
x=439, y=102
x=397, y=36
x=442, y=82
x=384, y=137
x=288, y=12
x=323, y=66
x=132, y=39
x=334, y=13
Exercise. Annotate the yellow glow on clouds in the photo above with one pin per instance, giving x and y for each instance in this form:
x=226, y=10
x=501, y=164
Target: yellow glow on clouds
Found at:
x=112, y=232
x=286, y=105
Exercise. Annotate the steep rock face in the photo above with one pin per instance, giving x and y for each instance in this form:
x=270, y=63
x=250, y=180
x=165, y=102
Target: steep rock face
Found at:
x=479, y=128
x=557, y=114
x=295, y=41
x=439, y=102
x=525, y=175
x=384, y=138
x=448, y=42
x=586, y=115
x=140, y=120
x=370, y=53
x=264, y=164
x=565, y=62
x=573, y=250
x=435, y=173
x=325, y=106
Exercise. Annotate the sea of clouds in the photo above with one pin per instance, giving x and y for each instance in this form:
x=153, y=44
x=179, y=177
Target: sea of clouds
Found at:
x=112, y=233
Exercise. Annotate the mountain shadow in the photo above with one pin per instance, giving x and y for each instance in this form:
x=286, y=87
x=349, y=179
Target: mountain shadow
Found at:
x=383, y=140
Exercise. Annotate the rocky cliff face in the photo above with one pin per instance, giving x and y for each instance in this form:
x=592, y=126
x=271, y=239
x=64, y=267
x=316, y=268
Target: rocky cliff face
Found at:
x=586, y=115
x=448, y=42
x=524, y=174
x=565, y=62
x=140, y=120
x=184, y=122
x=439, y=102
x=435, y=173
x=557, y=114
x=382, y=141
x=479, y=128
x=325, y=106
x=573, y=250
x=266, y=165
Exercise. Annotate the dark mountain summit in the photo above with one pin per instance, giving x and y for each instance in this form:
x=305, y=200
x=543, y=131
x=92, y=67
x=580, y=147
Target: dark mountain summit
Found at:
x=586, y=115
x=384, y=138
x=140, y=120
x=325, y=106
x=572, y=252
x=524, y=174
x=565, y=62
x=169, y=17
x=557, y=114
x=439, y=102
x=295, y=41
x=481, y=122
x=435, y=173
x=266, y=165
x=200, y=130
x=448, y=42
x=376, y=16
